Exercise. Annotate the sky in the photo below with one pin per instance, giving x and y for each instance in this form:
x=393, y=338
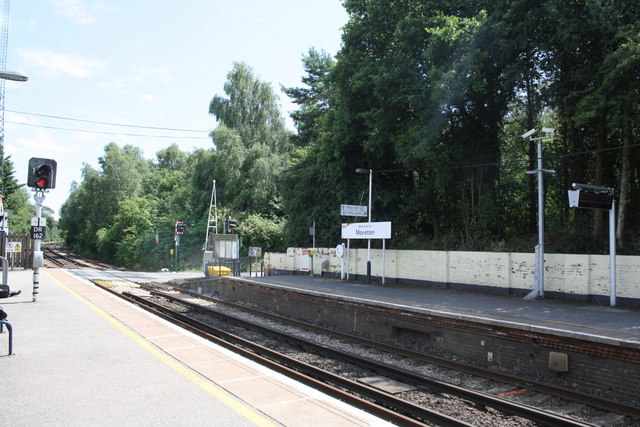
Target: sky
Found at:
x=150, y=63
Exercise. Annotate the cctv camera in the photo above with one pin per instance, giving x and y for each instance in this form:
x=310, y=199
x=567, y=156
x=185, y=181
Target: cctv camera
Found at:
x=528, y=134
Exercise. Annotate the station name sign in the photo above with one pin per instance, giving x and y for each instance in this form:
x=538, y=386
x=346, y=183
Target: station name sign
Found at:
x=366, y=230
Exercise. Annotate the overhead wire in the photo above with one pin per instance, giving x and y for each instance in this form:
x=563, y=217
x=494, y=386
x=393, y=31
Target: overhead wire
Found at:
x=463, y=166
x=104, y=123
x=106, y=133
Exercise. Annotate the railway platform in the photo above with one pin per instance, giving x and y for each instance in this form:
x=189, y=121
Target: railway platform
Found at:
x=590, y=348
x=84, y=357
x=617, y=325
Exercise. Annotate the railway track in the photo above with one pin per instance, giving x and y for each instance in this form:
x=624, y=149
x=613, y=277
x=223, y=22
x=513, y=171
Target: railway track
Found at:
x=55, y=256
x=295, y=369
x=196, y=315
x=517, y=385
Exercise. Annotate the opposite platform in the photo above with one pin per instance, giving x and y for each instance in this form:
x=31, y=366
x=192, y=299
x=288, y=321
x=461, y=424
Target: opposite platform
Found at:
x=612, y=325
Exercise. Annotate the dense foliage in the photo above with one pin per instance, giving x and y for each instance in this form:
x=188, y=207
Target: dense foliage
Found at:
x=433, y=97
x=125, y=212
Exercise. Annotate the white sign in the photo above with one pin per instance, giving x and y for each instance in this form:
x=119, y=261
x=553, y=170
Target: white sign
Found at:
x=366, y=230
x=255, y=252
x=41, y=223
x=353, y=210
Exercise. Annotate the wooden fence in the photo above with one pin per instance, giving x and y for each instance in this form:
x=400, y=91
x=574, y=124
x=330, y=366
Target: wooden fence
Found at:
x=17, y=248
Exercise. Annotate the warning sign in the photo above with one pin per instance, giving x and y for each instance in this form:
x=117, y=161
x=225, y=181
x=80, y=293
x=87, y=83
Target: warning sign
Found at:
x=13, y=247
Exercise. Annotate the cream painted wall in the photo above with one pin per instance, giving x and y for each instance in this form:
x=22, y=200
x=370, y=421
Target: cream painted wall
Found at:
x=564, y=273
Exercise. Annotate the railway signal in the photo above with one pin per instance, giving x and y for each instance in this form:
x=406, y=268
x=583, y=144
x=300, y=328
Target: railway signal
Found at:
x=231, y=224
x=180, y=227
x=42, y=173
x=41, y=176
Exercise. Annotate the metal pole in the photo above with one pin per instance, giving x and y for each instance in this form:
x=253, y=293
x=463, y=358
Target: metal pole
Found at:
x=39, y=198
x=383, y=260
x=342, y=266
x=612, y=254
x=540, y=263
x=538, y=290
x=369, y=240
x=177, y=239
x=348, y=250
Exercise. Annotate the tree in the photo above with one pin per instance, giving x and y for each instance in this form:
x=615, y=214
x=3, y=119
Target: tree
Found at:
x=171, y=158
x=130, y=235
x=7, y=178
x=15, y=198
x=251, y=142
x=94, y=204
x=251, y=110
x=312, y=99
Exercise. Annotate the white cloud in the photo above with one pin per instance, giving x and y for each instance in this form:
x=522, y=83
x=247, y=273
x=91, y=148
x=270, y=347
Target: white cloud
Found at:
x=152, y=99
x=162, y=74
x=139, y=82
x=74, y=9
x=42, y=143
x=53, y=62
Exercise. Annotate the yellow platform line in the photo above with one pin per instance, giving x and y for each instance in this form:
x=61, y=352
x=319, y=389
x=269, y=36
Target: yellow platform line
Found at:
x=227, y=399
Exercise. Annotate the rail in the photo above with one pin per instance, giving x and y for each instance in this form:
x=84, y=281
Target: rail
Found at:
x=506, y=406
x=409, y=414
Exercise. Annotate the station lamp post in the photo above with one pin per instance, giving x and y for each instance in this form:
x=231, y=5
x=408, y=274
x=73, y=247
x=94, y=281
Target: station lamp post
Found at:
x=16, y=77
x=4, y=223
x=370, y=172
x=539, y=268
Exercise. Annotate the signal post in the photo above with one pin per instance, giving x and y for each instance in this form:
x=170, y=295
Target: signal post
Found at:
x=41, y=177
x=179, y=230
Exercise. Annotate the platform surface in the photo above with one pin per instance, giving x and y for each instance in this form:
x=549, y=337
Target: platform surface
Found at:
x=85, y=357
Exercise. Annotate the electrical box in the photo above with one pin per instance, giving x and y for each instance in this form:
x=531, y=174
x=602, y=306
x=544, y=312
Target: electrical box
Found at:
x=38, y=259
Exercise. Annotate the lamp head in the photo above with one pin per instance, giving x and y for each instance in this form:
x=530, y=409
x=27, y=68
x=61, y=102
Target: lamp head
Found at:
x=13, y=75
x=362, y=170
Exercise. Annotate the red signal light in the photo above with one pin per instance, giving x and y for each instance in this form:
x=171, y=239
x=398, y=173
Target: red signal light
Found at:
x=42, y=173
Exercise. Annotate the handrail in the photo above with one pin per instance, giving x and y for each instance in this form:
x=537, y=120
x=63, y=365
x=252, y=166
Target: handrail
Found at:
x=4, y=322
x=5, y=270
